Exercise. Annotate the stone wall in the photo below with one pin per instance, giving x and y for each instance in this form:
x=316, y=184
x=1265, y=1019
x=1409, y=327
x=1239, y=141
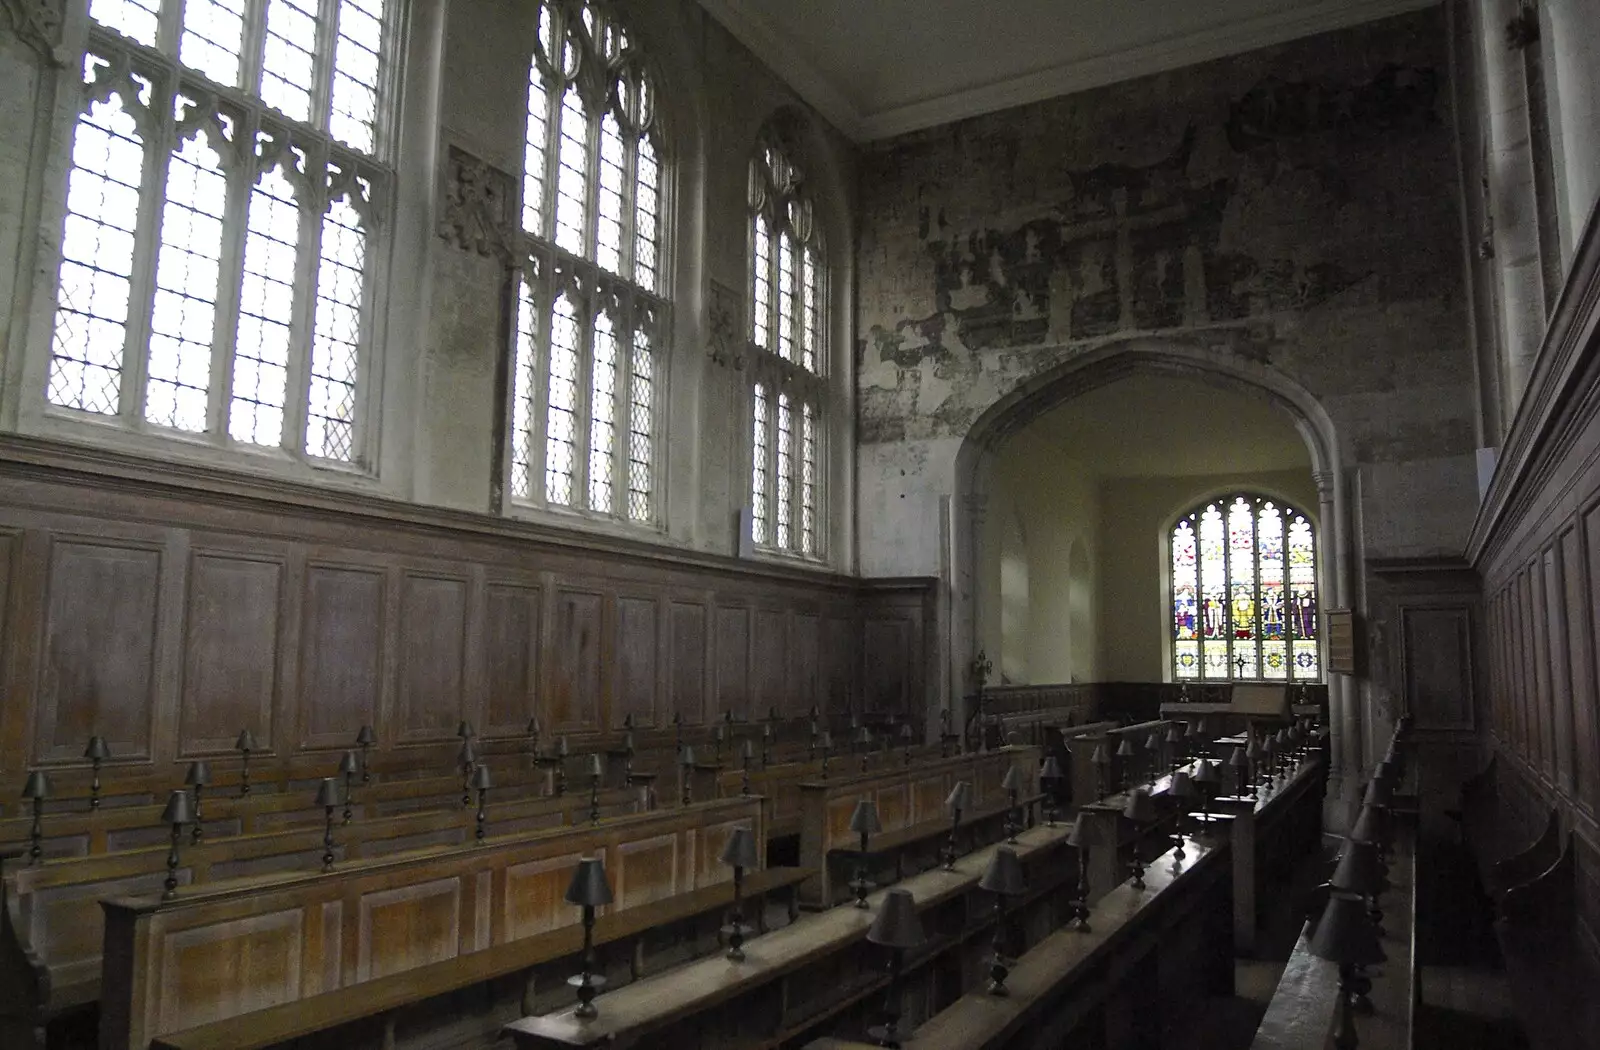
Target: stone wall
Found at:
x=1294, y=210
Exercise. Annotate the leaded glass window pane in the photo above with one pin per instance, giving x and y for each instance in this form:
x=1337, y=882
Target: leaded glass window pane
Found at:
x=245, y=302
x=1236, y=612
x=591, y=212
x=97, y=250
x=760, y=470
x=522, y=400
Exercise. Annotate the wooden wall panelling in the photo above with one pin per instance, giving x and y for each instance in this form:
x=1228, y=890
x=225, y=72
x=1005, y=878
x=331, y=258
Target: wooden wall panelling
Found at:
x=15, y=705
x=343, y=643
x=804, y=674
x=1527, y=694
x=575, y=697
x=1540, y=679
x=511, y=636
x=886, y=655
x=1586, y=719
x=233, y=636
x=1560, y=670
x=687, y=641
x=732, y=647
x=101, y=632
x=769, y=647
x=431, y=657
x=1436, y=656
x=637, y=659
x=841, y=663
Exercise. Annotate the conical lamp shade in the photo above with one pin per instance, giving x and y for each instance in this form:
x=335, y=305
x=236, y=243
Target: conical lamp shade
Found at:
x=330, y=792
x=1359, y=870
x=468, y=754
x=1346, y=935
x=533, y=726
x=199, y=773
x=1139, y=807
x=864, y=821
x=464, y=730
x=687, y=758
x=1205, y=772
x=1100, y=758
x=179, y=809
x=1369, y=825
x=1182, y=786
x=38, y=785
x=905, y=731
x=1174, y=734
x=349, y=763
x=1153, y=742
x=589, y=886
x=960, y=796
x=897, y=924
x=366, y=737
x=97, y=749
x=740, y=852
x=1015, y=779
x=1238, y=760
x=481, y=779
x=1079, y=835
x=246, y=742
x=597, y=766
x=1125, y=749
x=1199, y=728
x=1004, y=874
x=1051, y=770
x=1252, y=750
x=827, y=740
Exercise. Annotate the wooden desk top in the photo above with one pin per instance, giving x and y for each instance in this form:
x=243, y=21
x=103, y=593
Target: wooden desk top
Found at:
x=630, y=1013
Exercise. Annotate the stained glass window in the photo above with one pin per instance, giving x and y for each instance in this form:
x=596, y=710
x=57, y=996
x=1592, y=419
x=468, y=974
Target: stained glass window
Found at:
x=590, y=303
x=786, y=334
x=1244, y=593
x=219, y=286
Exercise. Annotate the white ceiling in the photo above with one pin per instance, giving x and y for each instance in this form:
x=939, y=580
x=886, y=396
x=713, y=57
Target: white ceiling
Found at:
x=1159, y=426
x=877, y=68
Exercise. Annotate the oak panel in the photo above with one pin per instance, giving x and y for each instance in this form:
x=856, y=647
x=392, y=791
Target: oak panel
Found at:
x=511, y=640
x=804, y=633
x=886, y=655
x=1437, y=666
x=534, y=895
x=772, y=676
x=646, y=870
x=841, y=654
x=342, y=652
x=230, y=666
x=575, y=684
x=638, y=641
x=433, y=629
x=213, y=972
x=733, y=662
x=686, y=656
x=404, y=928
x=1555, y=614
x=100, y=636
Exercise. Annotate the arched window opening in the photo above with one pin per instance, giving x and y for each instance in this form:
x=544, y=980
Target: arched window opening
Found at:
x=787, y=340
x=1244, y=593
x=591, y=313
x=215, y=275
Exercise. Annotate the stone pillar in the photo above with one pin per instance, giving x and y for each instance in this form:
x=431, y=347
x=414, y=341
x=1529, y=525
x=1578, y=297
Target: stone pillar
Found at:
x=1509, y=168
x=1344, y=714
x=1573, y=50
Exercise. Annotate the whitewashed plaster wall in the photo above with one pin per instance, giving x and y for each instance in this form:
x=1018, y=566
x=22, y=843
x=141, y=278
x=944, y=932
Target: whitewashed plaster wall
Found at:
x=465, y=68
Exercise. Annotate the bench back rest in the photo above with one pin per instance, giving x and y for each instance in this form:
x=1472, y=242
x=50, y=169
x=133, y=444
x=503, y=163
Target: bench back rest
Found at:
x=236, y=947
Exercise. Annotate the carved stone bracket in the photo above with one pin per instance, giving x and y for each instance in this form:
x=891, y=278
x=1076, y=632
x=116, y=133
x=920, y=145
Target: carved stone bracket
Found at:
x=476, y=212
x=37, y=23
x=724, y=313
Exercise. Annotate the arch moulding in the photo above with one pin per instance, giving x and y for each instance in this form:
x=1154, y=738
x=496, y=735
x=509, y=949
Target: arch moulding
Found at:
x=1100, y=367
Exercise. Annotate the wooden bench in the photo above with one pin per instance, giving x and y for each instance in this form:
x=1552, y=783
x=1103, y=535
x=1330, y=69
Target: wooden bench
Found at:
x=906, y=797
x=1086, y=786
x=228, y=950
x=1304, y=1008
x=1100, y=987
x=51, y=926
x=386, y=995
x=802, y=975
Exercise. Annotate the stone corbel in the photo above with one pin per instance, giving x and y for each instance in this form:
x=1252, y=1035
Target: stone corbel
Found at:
x=476, y=212
x=37, y=23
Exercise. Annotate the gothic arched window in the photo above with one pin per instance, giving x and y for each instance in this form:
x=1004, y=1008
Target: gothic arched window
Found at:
x=1244, y=592
x=787, y=336
x=216, y=257
x=591, y=316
